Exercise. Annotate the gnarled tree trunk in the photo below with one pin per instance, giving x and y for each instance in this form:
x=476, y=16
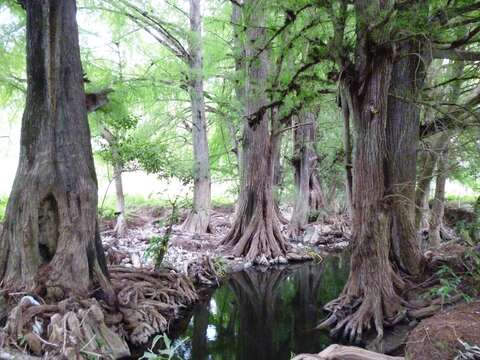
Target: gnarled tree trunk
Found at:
x=256, y=230
x=50, y=241
x=382, y=188
x=198, y=219
x=309, y=192
x=402, y=137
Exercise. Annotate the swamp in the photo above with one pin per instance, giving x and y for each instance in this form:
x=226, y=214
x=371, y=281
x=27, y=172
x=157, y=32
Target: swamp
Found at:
x=240, y=179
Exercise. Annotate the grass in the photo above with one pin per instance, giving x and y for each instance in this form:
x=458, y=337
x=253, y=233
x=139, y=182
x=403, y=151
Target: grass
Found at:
x=135, y=202
x=107, y=210
x=461, y=199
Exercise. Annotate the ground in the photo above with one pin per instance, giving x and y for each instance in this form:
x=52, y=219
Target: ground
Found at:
x=439, y=337
x=187, y=248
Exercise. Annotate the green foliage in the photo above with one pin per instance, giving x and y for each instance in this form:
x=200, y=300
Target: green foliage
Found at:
x=157, y=248
x=3, y=206
x=449, y=283
x=219, y=266
x=158, y=245
x=169, y=352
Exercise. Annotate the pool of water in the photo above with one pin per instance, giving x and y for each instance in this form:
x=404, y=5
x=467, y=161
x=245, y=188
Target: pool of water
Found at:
x=262, y=315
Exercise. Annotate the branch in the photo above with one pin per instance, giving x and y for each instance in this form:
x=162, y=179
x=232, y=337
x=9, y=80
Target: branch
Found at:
x=453, y=54
x=95, y=101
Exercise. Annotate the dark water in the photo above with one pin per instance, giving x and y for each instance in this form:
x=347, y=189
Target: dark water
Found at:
x=262, y=315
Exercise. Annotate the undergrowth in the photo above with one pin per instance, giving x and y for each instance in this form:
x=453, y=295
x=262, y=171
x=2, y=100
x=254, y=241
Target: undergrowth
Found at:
x=169, y=351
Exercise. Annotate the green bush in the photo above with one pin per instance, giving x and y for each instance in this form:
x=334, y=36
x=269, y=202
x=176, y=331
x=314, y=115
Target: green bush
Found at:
x=3, y=206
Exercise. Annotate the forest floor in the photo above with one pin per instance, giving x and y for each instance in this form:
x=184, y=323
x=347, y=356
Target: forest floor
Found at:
x=191, y=254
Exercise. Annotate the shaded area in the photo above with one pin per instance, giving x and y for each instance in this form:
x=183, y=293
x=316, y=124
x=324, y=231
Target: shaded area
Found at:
x=263, y=315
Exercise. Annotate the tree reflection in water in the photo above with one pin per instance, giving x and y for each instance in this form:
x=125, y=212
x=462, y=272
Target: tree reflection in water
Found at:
x=263, y=315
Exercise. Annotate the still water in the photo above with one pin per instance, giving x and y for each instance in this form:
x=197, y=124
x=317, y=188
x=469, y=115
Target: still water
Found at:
x=267, y=315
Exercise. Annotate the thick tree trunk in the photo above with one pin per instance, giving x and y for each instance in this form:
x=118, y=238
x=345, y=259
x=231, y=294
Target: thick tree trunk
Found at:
x=383, y=157
x=309, y=192
x=277, y=165
x=50, y=242
x=347, y=148
x=256, y=230
x=438, y=207
x=199, y=218
x=403, y=123
x=239, y=56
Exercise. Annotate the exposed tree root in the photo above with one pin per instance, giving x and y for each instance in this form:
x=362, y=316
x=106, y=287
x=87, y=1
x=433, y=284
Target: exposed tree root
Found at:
x=361, y=306
x=339, y=352
x=77, y=328
x=204, y=272
x=197, y=222
x=70, y=329
x=148, y=299
x=260, y=241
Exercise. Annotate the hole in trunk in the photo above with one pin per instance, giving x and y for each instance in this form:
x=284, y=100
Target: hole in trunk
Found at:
x=48, y=223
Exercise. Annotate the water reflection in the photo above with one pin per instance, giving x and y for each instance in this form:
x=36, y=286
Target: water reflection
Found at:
x=263, y=315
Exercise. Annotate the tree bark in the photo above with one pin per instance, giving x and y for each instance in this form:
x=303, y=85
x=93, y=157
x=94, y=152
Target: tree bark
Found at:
x=347, y=148
x=427, y=162
x=382, y=161
x=403, y=123
x=121, y=225
x=198, y=219
x=309, y=191
x=256, y=230
x=438, y=207
x=50, y=242
x=239, y=55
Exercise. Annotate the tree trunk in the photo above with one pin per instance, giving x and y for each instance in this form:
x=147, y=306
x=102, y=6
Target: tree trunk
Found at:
x=121, y=225
x=347, y=148
x=277, y=165
x=402, y=136
x=256, y=230
x=438, y=208
x=198, y=219
x=309, y=192
x=383, y=157
x=422, y=209
x=427, y=163
x=239, y=55
x=50, y=242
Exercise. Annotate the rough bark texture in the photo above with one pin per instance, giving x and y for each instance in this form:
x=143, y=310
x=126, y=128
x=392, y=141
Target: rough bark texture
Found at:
x=239, y=55
x=383, y=158
x=199, y=218
x=256, y=230
x=427, y=160
x=309, y=191
x=347, y=148
x=438, y=207
x=403, y=122
x=50, y=239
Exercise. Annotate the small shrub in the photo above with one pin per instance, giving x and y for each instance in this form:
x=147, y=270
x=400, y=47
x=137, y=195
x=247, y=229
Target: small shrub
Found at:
x=168, y=353
x=157, y=248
